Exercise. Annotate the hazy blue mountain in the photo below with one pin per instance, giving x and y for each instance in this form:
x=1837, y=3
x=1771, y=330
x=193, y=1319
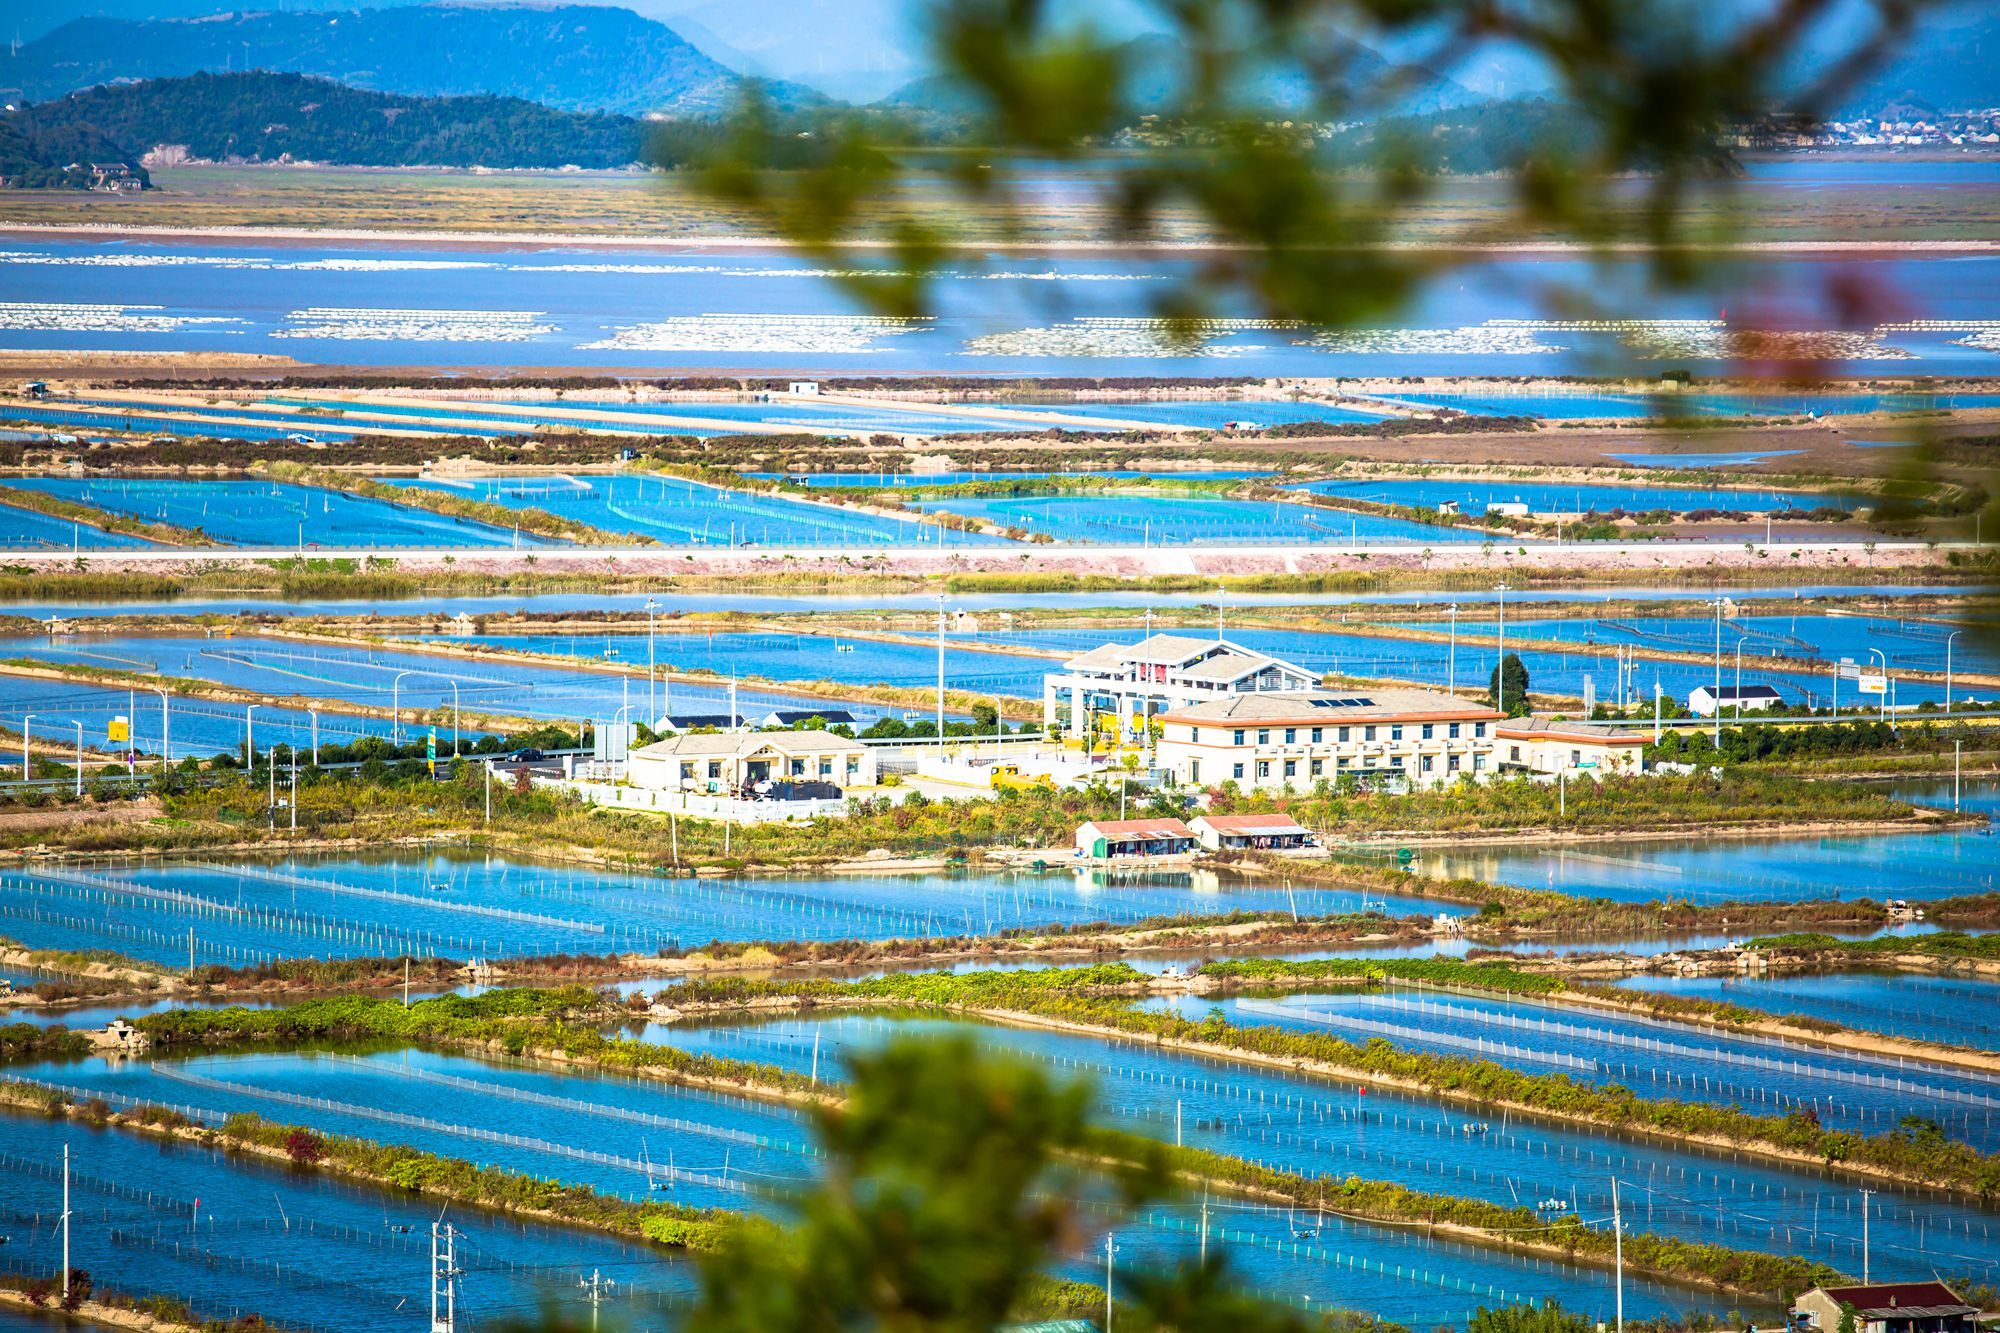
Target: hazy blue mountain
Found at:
x=1953, y=64
x=265, y=117
x=572, y=57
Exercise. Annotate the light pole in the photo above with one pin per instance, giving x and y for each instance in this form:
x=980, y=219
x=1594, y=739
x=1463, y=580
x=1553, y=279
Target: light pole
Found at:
x=652, y=705
x=1451, y=668
x=249, y=738
x=79, y=757
x=1883, y=713
x=1947, y=669
x=1500, y=663
x=313, y=713
x=454, y=715
x=25, y=723
x=940, y=675
x=1718, y=603
x=396, y=707
x=166, y=748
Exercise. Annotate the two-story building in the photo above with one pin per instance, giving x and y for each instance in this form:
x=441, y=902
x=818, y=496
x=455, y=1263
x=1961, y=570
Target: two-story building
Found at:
x=1274, y=741
x=726, y=762
x=1139, y=681
x=1894, y=1307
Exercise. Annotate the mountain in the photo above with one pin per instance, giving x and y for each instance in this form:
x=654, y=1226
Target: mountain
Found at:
x=572, y=57
x=1952, y=63
x=59, y=157
x=264, y=117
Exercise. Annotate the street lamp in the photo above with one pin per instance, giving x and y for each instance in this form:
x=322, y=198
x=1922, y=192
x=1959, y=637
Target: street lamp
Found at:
x=1500, y=663
x=25, y=722
x=1947, y=669
x=652, y=707
x=166, y=748
x=940, y=675
x=1451, y=669
x=396, y=707
x=79, y=758
x=1718, y=603
x=249, y=738
x=1884, y=713
x=313, y=713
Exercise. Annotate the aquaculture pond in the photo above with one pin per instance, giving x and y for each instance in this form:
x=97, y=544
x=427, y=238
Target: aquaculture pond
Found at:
x=1475, y=497
x=786, y=657
x=413, y=681
x=274, y=514
x=886, y=481
x=1334, y=1128
x=627, y=1137
x=234, y=1236
x=28, y=530
x=1952, y=1010
x=462, y=906
x=1468, y=666
x=1583, y=405
x=674, y=512
x=1169, y=520
x=1656, y=1059
x=1910, y=643
x=1210, y=413
x=193, y=727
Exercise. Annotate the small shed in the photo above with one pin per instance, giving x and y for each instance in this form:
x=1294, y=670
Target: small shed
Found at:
x=1262, y=832
x=1704, y=700
x=1115, y=839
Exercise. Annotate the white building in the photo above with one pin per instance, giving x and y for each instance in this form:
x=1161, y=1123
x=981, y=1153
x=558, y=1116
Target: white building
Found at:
x=1167, y=671
x=1703, y=700
x=1543, y=745
x=1297, y=739
x=722, y=763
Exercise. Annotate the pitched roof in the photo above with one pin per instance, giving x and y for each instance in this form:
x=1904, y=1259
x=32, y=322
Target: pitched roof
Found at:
x=746, y=743
x=1325, y=707
x=1140, y=828
x=1524, y=728
x=1252, y=823
x=1740, y=691
x=1920, y=1300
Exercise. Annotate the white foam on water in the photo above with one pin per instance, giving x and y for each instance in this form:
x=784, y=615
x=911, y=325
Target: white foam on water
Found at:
x=365, y=325
x=61, y=317
x=831, y=334
x=1468, y=340
x=1106, y=336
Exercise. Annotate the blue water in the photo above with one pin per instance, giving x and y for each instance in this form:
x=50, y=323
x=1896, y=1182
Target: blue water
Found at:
x=1586, y=405
x=231, y=1235
x=1655, y=1059
x=369, y=675
x=115, y=419
x=275, y=514
x=1132, y=520
x=1324, y=1127
x=195, y=728
x=1909, y=643
x=894, y=480
x=638, y=310
x=687, y=513
x=735, y=1151
x=1943, y=1009
x=253, y=912
x=1473, y=497
x=26, y=529
x=1210, y=413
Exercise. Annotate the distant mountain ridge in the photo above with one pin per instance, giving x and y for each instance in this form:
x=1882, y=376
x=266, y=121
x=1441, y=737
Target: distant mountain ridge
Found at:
x=571, y=57
x=265, y=117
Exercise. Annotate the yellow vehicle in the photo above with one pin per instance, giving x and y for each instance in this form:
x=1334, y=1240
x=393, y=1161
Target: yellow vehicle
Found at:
x=1008, y=777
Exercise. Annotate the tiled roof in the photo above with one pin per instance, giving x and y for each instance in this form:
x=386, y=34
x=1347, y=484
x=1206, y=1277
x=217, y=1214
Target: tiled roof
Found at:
x=1333, y=708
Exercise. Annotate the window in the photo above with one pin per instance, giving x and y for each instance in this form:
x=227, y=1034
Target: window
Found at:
x=714, y=768
x=1429, y=762
x=1343, y=734
x=1291, y=768
x=1429, y=731
x=1263, y=768
x=1238, y=740
x=1318, y=767
x=1342, y=762
x=798, y=768
x=1575, y=758
x=1194, y=733
x=1239, y=771
x=826, y=768
x=1194, y=770
x=1396, y=732
x=1451, y=763
x=1316, y=736
x=853, y=769
x=1395, y=761
x=1368, y=733
x=1514, y=754
x=1479, y=728
x=1291, y=735
x=1454, y=731
x=1479, y=763
x=687, y=772
x=1263, y=735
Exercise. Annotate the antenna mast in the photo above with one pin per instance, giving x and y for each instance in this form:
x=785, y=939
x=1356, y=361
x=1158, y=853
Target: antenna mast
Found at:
x=444, y=1277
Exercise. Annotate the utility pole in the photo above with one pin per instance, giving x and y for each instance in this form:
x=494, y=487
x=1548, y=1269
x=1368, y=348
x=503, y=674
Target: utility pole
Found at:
x=65, y=1224
x=594, y=1287
x=1618, y=1249
x=1109, y=1250
x=406, y=981
x=489, y=791
x=940, y=676
x=1957, y=770
x=815, y=1070
x=1451, y=668
x=444, y=1275
x=1500, y=663
x=1204, y=1228
x=1865, y=1194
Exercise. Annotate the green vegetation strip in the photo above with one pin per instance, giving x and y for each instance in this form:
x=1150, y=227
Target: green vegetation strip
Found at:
x=529, y=1023
x=55, y=506
x=1950, y=945
x=537, y=521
